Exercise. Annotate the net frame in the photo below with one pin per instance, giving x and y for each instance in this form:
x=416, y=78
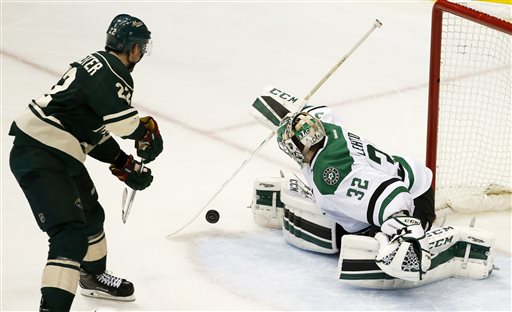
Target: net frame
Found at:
x=491, y=199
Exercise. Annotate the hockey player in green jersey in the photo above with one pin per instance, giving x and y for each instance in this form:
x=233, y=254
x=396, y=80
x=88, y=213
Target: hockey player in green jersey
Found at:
x=52, y=137
x=362, y=188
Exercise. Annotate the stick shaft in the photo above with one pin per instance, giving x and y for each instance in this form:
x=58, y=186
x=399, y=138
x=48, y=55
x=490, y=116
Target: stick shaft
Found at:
x=269, y=137
x=375, y=25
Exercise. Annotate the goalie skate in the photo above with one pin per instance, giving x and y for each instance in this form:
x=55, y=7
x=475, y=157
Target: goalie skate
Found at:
x=106, y=286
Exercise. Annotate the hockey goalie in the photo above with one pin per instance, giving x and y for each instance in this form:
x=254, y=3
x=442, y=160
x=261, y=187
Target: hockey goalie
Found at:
x=286, y=203
x=375, y=209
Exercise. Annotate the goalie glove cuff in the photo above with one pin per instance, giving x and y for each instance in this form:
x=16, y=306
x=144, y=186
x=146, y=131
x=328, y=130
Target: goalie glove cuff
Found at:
x=402, y=225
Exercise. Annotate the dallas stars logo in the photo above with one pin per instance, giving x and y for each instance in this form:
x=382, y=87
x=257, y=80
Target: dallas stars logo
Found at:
x=331, y=175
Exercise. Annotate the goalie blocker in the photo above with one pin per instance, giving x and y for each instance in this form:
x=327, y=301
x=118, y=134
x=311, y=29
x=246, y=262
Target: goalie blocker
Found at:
x=288, y=204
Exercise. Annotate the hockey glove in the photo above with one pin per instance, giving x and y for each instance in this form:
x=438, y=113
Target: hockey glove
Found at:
x=129, y=174
x=406, y=255
x=151, y=144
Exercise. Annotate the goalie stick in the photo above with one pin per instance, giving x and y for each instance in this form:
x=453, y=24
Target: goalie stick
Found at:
x=376, y=24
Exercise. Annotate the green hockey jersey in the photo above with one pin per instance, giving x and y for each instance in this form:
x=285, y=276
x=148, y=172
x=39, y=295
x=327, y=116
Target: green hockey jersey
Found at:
x=91, y=100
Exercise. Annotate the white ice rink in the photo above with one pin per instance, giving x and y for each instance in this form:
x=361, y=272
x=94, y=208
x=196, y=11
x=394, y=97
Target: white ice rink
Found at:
x=209, y=62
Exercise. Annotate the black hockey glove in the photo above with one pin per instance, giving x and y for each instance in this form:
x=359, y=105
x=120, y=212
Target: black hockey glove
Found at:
x=151, y=144
x=129, y=174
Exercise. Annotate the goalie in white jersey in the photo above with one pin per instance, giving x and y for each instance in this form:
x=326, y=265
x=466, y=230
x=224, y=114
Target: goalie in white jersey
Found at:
x=360, y=187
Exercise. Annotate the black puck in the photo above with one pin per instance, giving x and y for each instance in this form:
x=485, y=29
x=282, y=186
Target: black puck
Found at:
x=212, y=216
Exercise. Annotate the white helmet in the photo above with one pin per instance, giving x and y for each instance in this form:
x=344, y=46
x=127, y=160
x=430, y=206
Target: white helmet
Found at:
x=297, y=133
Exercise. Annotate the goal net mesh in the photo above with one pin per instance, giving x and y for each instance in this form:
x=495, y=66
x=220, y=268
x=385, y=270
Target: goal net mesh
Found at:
x=473, y=160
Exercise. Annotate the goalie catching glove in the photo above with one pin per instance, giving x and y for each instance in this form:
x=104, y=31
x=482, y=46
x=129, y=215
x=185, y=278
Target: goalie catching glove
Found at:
x=129, y=174
x=151, y=144
x=406, y=255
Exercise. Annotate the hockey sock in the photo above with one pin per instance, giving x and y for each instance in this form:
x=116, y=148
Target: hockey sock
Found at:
x=59, y=283
x=95, y=261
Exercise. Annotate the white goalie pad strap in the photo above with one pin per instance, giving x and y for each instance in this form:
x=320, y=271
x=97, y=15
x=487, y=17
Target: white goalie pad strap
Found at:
x=448, y=247
x=304, y=224
x=266, y=206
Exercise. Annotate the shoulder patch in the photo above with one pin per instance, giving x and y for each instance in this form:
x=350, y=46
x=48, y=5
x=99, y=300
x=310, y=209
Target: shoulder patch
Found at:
x=331, y=175
x=334, y=162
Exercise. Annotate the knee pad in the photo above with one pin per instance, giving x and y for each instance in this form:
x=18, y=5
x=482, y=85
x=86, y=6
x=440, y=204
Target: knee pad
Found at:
x=86, y=189
x=68, y=241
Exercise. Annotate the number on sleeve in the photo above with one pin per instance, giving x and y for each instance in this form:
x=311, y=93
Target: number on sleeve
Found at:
x=358, y=184
x=62, y=85
x=372, y=153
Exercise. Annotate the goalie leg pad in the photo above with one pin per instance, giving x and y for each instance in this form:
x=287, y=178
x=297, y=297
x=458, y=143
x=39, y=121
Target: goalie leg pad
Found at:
x=266, y=206
x=304, y=224
x=472, y=255
x=357, y=267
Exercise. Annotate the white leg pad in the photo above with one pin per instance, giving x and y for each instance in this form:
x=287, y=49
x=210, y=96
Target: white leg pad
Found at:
x=266, y=206
x=304, y=224
x=448, y=247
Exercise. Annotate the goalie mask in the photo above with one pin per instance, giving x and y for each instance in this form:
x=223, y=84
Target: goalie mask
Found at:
x=297, y=133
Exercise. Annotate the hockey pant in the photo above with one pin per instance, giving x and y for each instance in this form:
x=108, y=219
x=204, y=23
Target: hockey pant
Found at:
x=66, y=207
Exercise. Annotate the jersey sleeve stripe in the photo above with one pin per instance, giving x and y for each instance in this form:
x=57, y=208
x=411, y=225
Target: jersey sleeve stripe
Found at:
x=36, y=110
x=388, y=199
x=112, y=118
x=375, y=196
x=408, y=168
x=124, y=127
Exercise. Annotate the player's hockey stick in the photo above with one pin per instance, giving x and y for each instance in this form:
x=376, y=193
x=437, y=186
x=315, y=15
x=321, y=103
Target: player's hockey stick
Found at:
x=376, y=24
x=128, y=199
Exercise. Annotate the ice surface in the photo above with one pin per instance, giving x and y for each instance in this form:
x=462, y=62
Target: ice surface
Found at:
x=210, y=60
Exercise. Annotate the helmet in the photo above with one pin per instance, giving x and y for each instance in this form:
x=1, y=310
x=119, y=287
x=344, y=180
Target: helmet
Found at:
x=297, y=133
x=125, y=31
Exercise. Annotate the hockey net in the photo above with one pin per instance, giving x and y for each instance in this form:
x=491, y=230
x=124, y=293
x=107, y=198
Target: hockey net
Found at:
x=470, y=98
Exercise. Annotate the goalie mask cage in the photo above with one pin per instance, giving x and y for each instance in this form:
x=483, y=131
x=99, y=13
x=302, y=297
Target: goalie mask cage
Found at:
x=470, y=99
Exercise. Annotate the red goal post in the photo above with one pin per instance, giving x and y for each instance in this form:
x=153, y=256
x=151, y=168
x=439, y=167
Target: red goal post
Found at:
x=469, y=112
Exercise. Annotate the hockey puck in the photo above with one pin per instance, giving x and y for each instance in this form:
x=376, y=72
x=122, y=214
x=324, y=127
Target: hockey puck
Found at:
x=212, y=216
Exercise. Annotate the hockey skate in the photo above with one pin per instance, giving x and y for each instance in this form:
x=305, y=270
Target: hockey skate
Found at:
x=106, y=286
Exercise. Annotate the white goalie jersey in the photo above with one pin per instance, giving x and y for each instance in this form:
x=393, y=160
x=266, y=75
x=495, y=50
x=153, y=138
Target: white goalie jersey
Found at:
x=355, y=183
